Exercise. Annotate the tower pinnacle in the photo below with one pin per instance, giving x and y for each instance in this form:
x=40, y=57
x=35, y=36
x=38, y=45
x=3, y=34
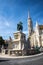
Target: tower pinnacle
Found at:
x=36, y=23
x=30, y=24
x=28, y=14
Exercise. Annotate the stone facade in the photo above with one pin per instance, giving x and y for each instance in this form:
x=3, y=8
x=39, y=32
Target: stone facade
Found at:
x=18, y=45
x=19, y=41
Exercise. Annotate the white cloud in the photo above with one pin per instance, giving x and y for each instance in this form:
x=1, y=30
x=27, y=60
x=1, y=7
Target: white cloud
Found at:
x=4, y=22
x=7, y=24
x=7, y=27
x=26, y=32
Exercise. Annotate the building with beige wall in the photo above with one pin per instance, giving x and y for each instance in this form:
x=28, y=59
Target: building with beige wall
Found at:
x=19, y=41
x=18, y=44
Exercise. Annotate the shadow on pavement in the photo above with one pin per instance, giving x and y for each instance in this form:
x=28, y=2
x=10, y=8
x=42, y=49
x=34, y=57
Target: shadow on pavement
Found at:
x=3, y=60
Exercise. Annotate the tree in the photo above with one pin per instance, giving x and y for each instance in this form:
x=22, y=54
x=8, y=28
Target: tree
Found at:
x=20, y=26
x=1, y=42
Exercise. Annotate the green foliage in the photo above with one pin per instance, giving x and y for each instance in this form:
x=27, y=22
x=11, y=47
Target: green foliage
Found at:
x=37, y=49
x=1, y=41
x=19, y=26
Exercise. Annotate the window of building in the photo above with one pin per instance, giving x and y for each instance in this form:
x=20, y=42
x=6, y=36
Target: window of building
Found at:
x=15, y=45
x=16, y=36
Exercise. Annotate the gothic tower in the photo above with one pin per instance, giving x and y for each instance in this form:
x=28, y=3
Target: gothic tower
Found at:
x=30, y=25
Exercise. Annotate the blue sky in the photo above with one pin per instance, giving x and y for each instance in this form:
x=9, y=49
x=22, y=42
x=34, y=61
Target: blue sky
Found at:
x=13, y=11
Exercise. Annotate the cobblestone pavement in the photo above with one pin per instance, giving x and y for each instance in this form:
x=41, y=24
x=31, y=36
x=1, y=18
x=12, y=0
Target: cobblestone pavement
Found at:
x=24, y=61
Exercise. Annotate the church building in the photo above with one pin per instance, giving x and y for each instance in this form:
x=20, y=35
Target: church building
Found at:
x=35, y=35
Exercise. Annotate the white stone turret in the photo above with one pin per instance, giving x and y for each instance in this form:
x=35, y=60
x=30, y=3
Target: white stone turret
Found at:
x=37, y=24
x=37, y=28
x=37, y=34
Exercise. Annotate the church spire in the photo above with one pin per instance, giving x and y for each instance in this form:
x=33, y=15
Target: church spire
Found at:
x=28, y=14
x=30, y=24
